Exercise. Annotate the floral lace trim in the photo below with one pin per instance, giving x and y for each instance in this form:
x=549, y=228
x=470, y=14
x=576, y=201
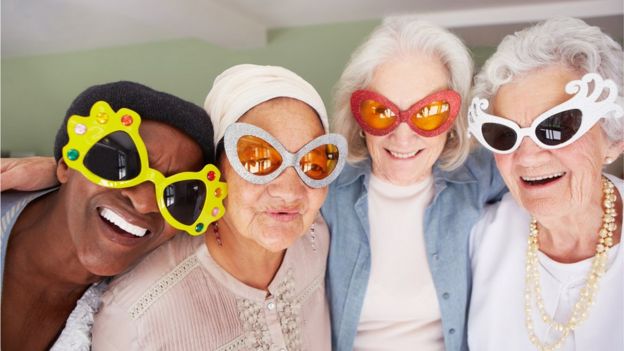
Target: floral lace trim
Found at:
x=162, y=286
x=251, y=314
x=289, y=311
x=77, y=332
x=236, y=344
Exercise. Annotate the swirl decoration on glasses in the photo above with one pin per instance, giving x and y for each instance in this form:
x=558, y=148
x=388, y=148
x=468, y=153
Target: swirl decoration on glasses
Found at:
x=558, y=127
x=106, y=148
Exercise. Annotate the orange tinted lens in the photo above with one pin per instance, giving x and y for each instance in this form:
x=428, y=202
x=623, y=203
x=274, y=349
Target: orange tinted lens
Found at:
x=432, y=116
x=257, y=156
x=376, y=115
x=320, y=162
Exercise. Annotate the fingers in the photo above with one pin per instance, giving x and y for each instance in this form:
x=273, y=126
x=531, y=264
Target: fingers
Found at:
x=27, y=174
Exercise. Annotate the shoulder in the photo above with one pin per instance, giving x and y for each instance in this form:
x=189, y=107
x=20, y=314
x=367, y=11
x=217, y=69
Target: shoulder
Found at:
x=125, y=290
x=352, y=174
x=116, y=323
x=345, y=190
x=497, y=224
x=14, y=201
x=480, y=175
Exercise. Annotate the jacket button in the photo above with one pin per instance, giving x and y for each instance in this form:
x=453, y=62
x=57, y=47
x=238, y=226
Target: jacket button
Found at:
x=446, y=296
x=452, y=331
x=435, y=256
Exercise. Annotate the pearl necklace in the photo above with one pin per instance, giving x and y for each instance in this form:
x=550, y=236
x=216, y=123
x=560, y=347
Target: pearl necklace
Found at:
x=533, y=291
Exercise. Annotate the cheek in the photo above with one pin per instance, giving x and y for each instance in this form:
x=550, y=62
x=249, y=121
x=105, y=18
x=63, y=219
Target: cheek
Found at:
x=436, y=143
x=243, y=198
x=504, y=164
x=373, y=144
x=316, y=198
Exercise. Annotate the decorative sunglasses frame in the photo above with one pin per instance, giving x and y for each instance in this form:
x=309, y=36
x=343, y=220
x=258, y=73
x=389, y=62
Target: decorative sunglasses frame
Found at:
x=450, y=96
x=85, y=132
x=592, y=110
x=237, y=130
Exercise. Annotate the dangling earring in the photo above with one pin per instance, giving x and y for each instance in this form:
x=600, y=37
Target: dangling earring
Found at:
x=451, y=134
x=608, y=160
x=362, y=135
x=215, y=229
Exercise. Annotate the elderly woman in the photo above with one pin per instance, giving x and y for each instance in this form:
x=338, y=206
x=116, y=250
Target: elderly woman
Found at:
x=401, y=212
x=256, y=280
x=548, y=271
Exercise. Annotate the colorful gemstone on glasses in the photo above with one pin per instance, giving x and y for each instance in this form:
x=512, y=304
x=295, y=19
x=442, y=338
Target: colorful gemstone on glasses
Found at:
x=102, y=117
x=215, y=211
x=218, y=192
x=73, y=154
x=80, y=129
x=126, y=120
x=210, y=176
x=199, y=227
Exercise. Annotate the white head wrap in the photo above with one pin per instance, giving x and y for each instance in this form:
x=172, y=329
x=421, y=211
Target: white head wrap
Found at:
x=241, y=87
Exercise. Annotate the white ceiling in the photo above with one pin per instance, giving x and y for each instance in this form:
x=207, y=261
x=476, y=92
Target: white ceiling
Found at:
x=31, y=27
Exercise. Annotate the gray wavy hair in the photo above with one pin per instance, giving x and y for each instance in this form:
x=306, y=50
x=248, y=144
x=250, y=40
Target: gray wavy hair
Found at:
x=395, y=36
x=557, y=41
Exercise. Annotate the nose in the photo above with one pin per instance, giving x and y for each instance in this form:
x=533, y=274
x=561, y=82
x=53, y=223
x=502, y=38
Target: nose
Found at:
x=142, y=197
x=403, y=134
x=529, y=154
x=287, y=186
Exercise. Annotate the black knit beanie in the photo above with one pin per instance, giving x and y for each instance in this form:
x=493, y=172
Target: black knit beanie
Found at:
x=150, y=105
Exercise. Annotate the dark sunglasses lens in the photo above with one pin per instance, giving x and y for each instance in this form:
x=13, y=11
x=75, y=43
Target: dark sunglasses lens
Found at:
x=560, y=127
x=114, y=158
x=185, y=199
x=498, y=136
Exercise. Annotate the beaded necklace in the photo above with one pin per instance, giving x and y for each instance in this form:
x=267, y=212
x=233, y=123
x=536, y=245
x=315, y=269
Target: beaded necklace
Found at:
x=588, y=292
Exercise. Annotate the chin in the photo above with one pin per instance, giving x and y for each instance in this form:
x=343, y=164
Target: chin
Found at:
x=105, y=266
x=545, y=207
x=278, y=242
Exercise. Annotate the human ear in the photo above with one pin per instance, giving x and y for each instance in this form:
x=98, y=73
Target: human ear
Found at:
x=62, y=171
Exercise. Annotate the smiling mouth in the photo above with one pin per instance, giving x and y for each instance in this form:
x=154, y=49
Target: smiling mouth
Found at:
x=403, y=155
x=541, y=180
x=120, y=224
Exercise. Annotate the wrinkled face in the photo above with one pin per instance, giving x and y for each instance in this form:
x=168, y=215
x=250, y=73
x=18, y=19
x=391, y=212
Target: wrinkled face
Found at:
x=276, y=214
x=403, y=157
x=107, y=249
x=549, y=182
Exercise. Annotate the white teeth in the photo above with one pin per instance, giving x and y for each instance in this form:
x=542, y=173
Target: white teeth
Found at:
x=534, y=179
x=403, y=155
x=122, y=223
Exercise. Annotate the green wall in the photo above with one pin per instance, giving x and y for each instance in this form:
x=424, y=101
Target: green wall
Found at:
x=36, y=91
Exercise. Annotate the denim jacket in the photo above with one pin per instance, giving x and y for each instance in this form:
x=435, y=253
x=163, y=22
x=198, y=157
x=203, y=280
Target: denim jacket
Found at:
x=459, y=198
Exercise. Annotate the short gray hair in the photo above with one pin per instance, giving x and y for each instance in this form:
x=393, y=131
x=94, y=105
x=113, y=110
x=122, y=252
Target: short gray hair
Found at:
x=398, y=35
x=558, y=41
